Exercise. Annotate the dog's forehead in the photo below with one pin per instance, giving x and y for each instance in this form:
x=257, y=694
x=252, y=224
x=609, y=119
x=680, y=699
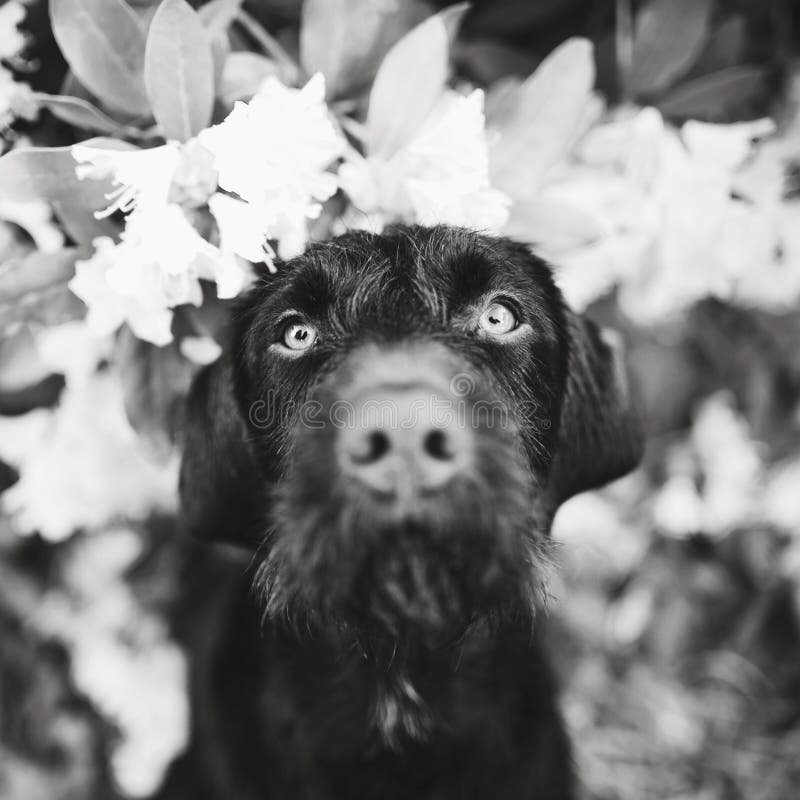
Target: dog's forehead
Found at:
x=421, y=271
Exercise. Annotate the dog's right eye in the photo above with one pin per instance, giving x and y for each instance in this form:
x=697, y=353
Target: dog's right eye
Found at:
x=299, y=336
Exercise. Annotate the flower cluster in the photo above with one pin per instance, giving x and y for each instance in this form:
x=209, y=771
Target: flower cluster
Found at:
x=263, y=174
x=675, y=215
x=260, y=181
x=15, y=97
x=440, y=176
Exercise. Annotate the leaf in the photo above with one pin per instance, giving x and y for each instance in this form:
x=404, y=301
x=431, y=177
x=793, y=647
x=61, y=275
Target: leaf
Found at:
x=345, y=40
x=539, y=126
x=507, y=18
x=179, y=71
x=48, y=173
x=34, y=289
x=218, y=15
x=410, y=80
x=670, y=35
x=725, y=48
x=155, y=381
x=713, y=96
x=486, y=61
x=83, y=114
x=242, y=75
x=103, y=42
x=81, y=225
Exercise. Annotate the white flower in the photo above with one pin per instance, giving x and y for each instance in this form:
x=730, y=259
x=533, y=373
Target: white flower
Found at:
x=122, y=657
x=242, y=235
x=660, y=204
x=273, y=152
x=12, y=40
x=440, y=176
x=155, y=267
x=200, y=349
x=16, y=101
x=143, y=177
x=145, y=309
x=81, y=464
x=161, y=257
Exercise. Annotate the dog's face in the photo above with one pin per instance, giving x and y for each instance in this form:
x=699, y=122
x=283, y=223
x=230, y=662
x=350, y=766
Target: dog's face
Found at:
x=396, y=422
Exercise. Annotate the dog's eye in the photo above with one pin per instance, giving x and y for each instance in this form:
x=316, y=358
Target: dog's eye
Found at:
x=498, y=319
x=299, y=336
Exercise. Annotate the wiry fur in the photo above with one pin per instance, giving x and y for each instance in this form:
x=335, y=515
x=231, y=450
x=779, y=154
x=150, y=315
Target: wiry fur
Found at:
x=371, y=653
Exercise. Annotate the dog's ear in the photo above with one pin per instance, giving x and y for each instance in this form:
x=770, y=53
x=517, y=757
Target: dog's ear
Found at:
x=219, y=476
x=600, y=436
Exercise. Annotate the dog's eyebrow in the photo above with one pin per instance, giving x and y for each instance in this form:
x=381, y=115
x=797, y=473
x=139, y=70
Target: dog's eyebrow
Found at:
x=472, y=275
x=309, y=292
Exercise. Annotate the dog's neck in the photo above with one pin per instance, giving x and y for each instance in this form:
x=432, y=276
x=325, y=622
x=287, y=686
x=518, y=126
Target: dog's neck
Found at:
x=404, y=708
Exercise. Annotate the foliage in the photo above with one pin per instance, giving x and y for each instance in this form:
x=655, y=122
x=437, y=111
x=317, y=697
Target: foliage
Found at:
x=158, y=153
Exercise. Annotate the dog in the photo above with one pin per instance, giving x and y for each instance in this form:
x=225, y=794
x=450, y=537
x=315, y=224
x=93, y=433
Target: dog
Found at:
x=390, y=431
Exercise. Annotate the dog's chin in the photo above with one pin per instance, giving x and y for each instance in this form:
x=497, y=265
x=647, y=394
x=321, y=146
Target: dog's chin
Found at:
x=356, y=565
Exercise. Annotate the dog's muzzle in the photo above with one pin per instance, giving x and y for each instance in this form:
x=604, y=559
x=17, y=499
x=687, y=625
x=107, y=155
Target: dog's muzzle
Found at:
x=407, y=433
x=407, y=501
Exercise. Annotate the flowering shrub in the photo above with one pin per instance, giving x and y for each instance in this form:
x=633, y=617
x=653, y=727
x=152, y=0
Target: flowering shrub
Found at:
x=184, y=148
x=605, y=197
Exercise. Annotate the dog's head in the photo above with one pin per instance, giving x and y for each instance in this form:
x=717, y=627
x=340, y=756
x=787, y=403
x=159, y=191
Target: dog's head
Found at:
x=396, y=421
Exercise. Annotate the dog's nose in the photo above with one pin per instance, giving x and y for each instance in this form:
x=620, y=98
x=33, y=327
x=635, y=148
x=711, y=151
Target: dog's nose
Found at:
x=403, y=440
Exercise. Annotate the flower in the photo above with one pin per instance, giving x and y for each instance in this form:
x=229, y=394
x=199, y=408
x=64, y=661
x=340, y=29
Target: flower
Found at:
x=161, y=257
x=143, y=177
x=242, y=235
x=154, y=267
x=273, y=152
x=12, y=40
x=122, y=657
x=16, y=99
x=440, y=176
x=145, y=309
x=85, y=458
x=667, y=224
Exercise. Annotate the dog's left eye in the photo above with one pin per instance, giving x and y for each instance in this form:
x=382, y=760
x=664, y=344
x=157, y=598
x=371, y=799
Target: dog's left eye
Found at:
x=498, y=319
x=298, y=336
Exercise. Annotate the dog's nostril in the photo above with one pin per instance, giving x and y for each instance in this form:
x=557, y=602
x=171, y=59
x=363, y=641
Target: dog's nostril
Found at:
x=437, y=445
x=372, y=448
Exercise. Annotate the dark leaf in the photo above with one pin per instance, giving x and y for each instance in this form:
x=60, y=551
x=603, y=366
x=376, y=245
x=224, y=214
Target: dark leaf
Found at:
x=81, y=225
x=486, y=61
x=508, y=18
x=103, y=42
x=670, y=35
x=711, y=96
x=218, y=15
x=725, y=48
x=179, y=71
x=155, y=381
x=34, y=289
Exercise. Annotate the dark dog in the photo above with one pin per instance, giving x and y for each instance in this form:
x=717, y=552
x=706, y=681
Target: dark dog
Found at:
x=392, y=429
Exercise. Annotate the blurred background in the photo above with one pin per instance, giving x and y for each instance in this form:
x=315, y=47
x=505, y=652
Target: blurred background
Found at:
x=659, y=147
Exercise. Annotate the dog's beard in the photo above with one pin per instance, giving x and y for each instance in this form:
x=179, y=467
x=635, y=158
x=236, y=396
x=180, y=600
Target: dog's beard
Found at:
x=345, y=561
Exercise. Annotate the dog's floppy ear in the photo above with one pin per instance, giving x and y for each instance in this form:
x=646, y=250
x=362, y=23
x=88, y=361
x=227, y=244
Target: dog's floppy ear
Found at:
x=219, y=476
x=600, y=436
